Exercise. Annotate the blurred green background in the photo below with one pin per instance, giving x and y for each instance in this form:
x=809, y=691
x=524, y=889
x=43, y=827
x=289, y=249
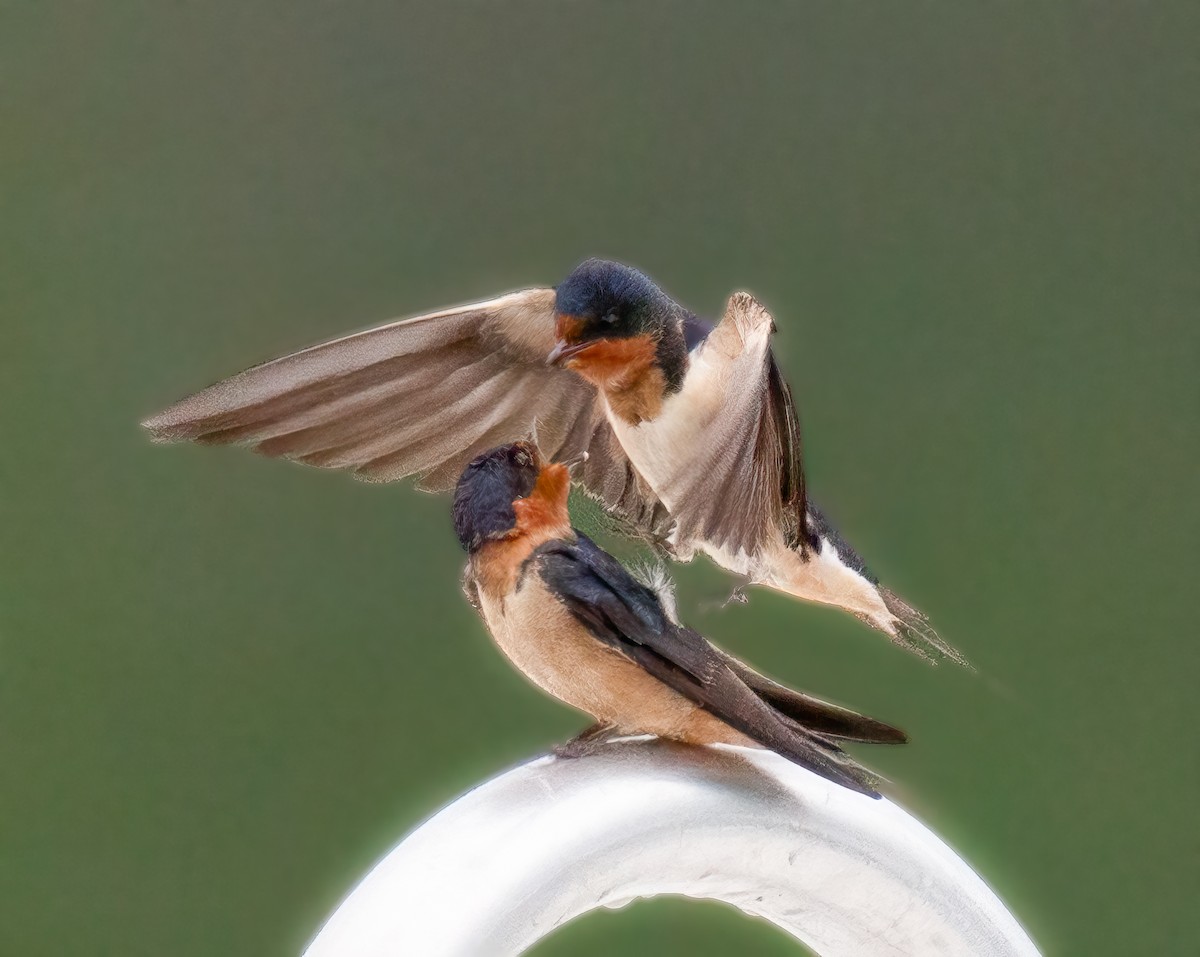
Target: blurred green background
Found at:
x=228, y=685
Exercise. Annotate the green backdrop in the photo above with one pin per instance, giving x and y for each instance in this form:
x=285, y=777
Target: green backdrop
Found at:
x=227, y=685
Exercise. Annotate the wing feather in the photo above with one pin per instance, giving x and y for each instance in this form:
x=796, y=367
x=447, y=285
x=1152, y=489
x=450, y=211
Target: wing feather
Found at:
x=422, y=396
x=747, y=480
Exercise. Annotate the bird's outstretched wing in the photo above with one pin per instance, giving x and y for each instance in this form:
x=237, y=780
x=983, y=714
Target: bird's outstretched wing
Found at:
x=423, y=396
x=747, y=480
x=626, y=615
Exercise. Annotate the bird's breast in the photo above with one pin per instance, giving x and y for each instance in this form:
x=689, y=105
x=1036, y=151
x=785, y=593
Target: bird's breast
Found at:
x=544, y=641
x=673, y=443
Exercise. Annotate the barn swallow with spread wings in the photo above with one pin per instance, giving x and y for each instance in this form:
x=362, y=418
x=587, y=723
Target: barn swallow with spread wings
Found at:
x=690, y=430
x=581, y=627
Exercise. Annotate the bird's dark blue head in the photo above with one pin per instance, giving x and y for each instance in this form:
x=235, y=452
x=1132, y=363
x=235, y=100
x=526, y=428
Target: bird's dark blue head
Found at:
x=483, y=499
x=611, y=300
x=607, y=302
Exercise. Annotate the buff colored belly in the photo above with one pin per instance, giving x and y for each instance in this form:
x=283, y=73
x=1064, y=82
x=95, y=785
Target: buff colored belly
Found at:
x=545, y=642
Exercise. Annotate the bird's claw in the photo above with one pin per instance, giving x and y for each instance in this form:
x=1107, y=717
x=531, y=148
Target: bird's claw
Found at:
x=737, y=596
x=585, y=743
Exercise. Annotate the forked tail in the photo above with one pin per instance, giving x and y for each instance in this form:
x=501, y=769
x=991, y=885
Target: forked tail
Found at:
x=835, y=574
x=911, y=630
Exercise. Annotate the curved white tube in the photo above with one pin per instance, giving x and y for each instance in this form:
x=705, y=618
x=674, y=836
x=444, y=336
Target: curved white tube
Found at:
x=510, y=861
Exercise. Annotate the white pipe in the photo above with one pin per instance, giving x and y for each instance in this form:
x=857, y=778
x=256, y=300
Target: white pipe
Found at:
x=507, y=863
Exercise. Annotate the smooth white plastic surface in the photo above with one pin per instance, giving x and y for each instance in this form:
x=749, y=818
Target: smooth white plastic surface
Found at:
x=507, y=863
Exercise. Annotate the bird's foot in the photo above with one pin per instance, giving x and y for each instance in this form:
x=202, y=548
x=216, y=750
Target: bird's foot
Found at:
x=586, y=742
x=737, y=596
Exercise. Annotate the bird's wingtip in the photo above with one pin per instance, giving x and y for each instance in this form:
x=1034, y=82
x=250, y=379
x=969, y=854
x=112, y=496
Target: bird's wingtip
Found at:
x=158, y=426
x=747, y=313
x=173, y=424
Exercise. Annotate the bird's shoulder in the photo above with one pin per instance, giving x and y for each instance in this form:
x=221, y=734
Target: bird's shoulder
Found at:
x=620, y=610
x=579, y=568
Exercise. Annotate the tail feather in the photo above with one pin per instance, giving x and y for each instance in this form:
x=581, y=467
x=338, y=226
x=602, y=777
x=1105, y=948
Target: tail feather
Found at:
x=726, y=695
x=824, y=718
x=911, y=630
x=840, y=577
x=819, y=754
x=829, y=743
x=847, y=771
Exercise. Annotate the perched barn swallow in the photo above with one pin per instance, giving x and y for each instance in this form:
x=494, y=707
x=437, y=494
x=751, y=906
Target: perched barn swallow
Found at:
x=691, y=432
x=582, y=628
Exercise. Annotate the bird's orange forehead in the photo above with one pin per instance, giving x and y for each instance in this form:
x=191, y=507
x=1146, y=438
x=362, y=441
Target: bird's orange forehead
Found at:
x=568, y=328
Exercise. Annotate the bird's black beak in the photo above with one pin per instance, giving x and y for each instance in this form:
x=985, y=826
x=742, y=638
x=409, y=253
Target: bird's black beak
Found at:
x=533, y=447
x=563, y=351
x=572, y=464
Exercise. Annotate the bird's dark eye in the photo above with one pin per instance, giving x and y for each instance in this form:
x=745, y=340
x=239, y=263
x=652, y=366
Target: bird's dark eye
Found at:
x=610, y=319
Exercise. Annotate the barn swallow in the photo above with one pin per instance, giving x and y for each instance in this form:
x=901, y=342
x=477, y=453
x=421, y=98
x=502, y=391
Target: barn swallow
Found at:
x=692, y=434
x=582, y=628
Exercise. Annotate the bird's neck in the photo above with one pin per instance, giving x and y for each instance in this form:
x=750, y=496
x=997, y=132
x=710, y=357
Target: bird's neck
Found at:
x=541, y=516
x=637, y=391
x=638, y=397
